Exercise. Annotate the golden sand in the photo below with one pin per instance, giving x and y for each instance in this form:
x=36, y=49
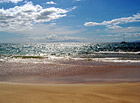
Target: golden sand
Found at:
x=70, y=93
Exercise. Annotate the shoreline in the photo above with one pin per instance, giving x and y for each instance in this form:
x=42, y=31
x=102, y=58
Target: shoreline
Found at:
x=76, y=84
x=69, y=72
x=69, y=82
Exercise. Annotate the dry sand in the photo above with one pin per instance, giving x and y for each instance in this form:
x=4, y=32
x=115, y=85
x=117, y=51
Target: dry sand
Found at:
x=70, y=93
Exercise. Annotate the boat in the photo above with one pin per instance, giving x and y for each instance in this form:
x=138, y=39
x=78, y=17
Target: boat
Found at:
x=123, y=42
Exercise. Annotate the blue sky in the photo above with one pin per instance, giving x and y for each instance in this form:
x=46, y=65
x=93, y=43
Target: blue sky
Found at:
x=40, y=21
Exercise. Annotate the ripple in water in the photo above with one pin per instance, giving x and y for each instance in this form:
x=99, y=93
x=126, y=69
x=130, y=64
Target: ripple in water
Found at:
x=128, y=51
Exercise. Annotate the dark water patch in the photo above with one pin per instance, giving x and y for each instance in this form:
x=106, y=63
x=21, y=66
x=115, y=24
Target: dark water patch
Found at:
x=29, y=57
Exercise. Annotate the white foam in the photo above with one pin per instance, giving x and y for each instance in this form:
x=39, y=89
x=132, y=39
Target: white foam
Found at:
x=119, y=52
x=31, y=60
x=115, y=60
x=50, y=59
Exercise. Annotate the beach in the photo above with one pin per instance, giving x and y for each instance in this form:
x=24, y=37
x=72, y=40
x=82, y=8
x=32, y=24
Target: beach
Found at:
x=69, y=71
x=70, y=93
x=69, y=81
x=64, y=73
x=69, y=51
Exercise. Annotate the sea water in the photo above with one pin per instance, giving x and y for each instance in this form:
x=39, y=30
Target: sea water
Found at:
x=110, y=52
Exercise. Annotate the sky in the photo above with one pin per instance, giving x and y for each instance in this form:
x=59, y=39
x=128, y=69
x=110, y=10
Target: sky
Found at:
x=47, y=21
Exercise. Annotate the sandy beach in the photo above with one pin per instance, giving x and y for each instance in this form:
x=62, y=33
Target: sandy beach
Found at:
x=70, y=93
x=69, y=82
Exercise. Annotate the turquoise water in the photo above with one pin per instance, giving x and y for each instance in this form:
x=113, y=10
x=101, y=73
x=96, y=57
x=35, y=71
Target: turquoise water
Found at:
x=72, y=50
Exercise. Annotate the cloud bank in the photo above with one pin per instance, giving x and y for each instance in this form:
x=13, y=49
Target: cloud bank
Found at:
x=114, y=23
x=54, y=38
x=23, y=17
x=12, y=1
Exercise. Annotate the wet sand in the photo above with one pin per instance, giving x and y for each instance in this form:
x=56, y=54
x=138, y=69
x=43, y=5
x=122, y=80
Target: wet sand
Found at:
x=69, y=72
x=70, y=93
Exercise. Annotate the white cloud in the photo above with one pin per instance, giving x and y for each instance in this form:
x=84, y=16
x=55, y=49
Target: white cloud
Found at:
x=13, y=1
x=112, y=24
x=47, y=29
x=132, y=34
x=129, y=32
x=48, y=33
x=113, y=27
x=74, y=7
x=125, y=30
x=52, y=23
x=77, y=0
x=30, y=21
x=24, y=17
x=50, y=2
x=91, y=24
x=55, y=38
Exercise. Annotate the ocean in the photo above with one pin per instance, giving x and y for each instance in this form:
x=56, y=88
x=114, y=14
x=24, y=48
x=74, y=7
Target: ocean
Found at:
x=41, y=52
